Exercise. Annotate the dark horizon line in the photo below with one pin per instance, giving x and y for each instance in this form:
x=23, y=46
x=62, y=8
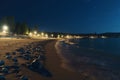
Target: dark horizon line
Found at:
x=81, y=33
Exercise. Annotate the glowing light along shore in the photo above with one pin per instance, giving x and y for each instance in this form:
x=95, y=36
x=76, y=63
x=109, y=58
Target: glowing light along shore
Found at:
x=93, y=37
x=103, y=37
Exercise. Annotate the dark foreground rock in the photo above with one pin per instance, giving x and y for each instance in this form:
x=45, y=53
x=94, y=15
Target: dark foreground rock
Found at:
x=38, y=67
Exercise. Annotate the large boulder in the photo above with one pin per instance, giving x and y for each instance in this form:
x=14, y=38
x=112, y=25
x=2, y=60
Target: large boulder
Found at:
x=38, y=67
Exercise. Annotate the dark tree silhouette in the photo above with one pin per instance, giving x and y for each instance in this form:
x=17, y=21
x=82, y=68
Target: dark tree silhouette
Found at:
x=36, y=28
x=18, y=28
x=21, y=28
x=24, y=28
x=9, y=21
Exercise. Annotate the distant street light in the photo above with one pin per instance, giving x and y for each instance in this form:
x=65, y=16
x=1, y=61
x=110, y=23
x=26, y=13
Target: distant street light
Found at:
x=30, y=34
x=46, y=35
x=58, y=36
x=4, y=31
x=38, y=35
x=35, y=32
x=52, y=35
x=62, y=36
x=67, y=36
x=5, y=28
x=42, y=34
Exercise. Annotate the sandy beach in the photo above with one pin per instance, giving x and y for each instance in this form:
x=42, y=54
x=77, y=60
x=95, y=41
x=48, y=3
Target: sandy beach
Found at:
x=52, y=62
x=37, y=59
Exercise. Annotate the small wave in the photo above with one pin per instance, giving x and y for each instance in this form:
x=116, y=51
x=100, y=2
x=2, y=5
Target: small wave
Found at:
x=83, y=59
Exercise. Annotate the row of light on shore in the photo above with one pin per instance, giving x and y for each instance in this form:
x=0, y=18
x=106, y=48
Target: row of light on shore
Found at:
x=5, y=30
x=93, y=37
x=45, y=35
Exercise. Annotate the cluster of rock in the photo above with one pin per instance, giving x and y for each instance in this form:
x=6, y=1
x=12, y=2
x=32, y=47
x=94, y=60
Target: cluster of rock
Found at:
x=34, y=56
x=6, y=70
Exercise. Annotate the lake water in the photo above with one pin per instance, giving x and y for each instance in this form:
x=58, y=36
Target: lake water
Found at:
x=108, y=45
x=102, y=56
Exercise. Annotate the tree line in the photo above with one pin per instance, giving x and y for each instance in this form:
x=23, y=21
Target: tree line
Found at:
x=17, y=27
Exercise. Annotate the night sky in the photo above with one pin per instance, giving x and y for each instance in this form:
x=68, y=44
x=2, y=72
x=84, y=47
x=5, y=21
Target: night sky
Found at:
x=75, y=16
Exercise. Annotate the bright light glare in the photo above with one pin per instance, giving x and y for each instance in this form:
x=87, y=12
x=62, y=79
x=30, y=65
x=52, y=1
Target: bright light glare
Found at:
x=103, y=37
x=67, y=36
x=92, y=37
x=35, y=32
x=58, y=36
x=30, y=34
x=4, y=31
x=38, y=35
x=5, y=28
x=52, y=35
x=46, y=35
x=62, y=36
x=42, y=34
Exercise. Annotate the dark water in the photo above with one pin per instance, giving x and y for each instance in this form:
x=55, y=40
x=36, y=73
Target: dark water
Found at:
x=108, y=45
x=87, y=54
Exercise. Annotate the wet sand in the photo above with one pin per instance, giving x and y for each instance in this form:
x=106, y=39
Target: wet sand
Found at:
x=54, y=64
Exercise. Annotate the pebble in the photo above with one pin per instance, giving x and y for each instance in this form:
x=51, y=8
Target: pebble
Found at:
x=24, y=78
x=8, y=56
x=41, y=57
x=15, y=67
x=14, y=53
x=36, y=64
x=15, y=63
x=15, y=59
x=2, y=62
x=2, y=77
x=8, y=53
x=4, y=70
x=8, y=67
x=21, y=50
x=28, y=52
x=27, y=56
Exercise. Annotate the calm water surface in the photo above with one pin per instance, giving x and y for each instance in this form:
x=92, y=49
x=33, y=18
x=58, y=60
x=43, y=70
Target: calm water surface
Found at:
x=102, y=54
